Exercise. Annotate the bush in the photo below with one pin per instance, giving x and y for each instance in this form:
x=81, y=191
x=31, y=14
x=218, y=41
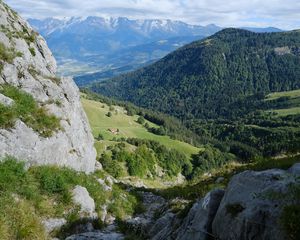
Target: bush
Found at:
x=141, y=120
x=209, y=159
x=100, y=137
x=111, y=166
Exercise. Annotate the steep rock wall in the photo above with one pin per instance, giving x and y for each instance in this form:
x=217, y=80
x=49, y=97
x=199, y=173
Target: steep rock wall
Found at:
x=27, y=64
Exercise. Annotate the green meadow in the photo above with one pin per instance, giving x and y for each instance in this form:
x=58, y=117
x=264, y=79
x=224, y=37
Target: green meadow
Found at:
x=128, y=128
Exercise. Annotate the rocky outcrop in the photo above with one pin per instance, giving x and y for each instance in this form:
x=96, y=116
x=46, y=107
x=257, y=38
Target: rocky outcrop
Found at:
x=198, y=223
x=52, y=224
x=250, y=208
x=253, y=203
x=29, y=65
x=82, y=198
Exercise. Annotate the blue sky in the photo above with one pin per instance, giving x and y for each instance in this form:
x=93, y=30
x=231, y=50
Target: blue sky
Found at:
x=284, y=14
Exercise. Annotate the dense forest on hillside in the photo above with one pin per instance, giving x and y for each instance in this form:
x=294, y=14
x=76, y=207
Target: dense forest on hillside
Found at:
x=203, y=79
x=218, y=88
x=257, y=133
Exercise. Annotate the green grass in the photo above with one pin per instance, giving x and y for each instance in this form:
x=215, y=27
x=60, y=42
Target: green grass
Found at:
x=28, y=196
x=287, y=111
x=276, y=95
x=128, y=126
x=28, y=35
x=26, y=109
x=290, y=98
x=7, y=55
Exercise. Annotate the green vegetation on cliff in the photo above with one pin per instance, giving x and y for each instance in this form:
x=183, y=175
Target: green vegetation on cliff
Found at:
x=26, y=109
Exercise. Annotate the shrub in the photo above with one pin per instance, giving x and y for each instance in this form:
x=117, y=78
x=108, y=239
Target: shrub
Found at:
x=141, y=120
x=100, y=137
x=111, y=166
x=44, y=192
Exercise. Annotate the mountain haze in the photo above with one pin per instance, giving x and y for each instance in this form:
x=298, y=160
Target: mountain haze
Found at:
x=97, y=44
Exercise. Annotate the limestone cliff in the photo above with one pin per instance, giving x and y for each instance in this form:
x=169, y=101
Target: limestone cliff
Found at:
x=27, y=64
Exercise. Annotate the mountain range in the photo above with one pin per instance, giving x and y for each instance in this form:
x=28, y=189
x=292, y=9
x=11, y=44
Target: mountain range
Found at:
x=97, y=44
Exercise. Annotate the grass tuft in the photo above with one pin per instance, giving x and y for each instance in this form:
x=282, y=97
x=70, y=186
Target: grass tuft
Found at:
x=26, y=109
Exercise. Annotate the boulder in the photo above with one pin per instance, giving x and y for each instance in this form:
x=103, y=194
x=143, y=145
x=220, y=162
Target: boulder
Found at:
x=198, y=223
x=52, y=224
x=82, y=198
x=253, y=203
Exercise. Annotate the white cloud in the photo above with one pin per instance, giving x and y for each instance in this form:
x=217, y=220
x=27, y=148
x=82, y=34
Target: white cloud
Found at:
x=280, y=13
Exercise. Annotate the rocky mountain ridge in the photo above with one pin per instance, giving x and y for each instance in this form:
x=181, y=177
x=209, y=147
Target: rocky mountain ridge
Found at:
x=33, y=95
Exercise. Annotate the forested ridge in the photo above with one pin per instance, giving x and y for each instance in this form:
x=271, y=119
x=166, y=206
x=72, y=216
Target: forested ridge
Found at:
x=202, y=79
x=218, y=88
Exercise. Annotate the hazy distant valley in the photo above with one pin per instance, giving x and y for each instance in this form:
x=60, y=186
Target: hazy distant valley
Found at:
x=100, y=48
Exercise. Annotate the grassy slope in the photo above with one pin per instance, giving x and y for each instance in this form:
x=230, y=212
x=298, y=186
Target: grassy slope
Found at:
x=294, y=100
x=128, y=127
x=291, y=94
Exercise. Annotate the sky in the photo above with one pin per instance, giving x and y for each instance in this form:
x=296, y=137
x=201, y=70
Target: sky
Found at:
x=284, y=14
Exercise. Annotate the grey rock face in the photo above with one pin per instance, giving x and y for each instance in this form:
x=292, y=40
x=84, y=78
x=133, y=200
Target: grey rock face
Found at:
x=82, y=198
x=295, y=169
x=252, y=205
x=5, y=100
x=53, y=224
x=33, y=71
x=97, y=235
x=164, y=227
x=197, y=225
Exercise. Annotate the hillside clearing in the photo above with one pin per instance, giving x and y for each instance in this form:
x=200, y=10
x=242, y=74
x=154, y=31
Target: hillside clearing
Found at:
x=127, y=126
